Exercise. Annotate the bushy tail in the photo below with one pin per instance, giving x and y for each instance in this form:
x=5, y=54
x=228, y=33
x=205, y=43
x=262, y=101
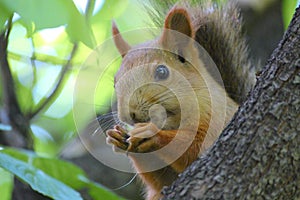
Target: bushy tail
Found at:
x=219, y=31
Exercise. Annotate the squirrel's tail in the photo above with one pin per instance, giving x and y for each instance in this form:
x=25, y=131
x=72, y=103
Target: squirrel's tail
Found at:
x=219, y=31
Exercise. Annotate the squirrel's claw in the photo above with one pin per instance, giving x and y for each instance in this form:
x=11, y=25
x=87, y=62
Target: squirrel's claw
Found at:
x=117, y=138
x=144, y=130
x=142, y=138
x=117, y=145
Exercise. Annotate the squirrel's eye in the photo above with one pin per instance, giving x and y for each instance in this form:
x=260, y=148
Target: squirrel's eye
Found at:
x=161, y=72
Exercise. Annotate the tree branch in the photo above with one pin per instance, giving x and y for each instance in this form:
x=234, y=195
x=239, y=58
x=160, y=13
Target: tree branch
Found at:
x=41, y=105
x=13, y=113
x=58, y=86
x=258, y=154
x=54, y=60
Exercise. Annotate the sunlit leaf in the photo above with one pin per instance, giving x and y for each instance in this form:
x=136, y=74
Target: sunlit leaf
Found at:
x=18, y=43
x=24, y=95
x=43, y=13
x=98, y=192
x=6, y=184
x=4, y=16
x=63, y=126
x=288, y=9
x=37, y=179
x=82, y=53
x=101, y=29
x=21, y=155
x=79, y=30
x=46, y=75
x=55, y=39
x=111, y=9
x=43, y=142
x=63, y=171
x=62, y=105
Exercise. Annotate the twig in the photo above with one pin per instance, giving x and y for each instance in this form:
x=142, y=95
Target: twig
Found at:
x=12, y=109
x=33, y=65
x=38, y=57
x=88, y=14
x=41, y=105
x=89, y=9
x=57, y=88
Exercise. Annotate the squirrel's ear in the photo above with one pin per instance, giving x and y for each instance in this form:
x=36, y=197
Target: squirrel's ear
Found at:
x=122, y=46
x=178, y=20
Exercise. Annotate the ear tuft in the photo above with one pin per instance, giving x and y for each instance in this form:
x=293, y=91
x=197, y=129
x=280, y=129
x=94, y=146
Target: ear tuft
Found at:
x=179, y=20
x=122, y=46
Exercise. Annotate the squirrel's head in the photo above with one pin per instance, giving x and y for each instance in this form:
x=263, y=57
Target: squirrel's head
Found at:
x=157, y=80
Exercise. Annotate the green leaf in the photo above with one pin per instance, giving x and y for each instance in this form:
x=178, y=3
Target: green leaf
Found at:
x=41, y=14
x=4, y=16
x=112, y=9
x=22, y=155
x=38, y=179
x=63, y=171
x=79, y=30
x=44, y=13
x=98, y=192
x=43, y=142
x=6, y=184
x=288, y=9
x=24, y=94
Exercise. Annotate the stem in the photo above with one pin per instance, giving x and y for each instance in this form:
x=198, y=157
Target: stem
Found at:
x=57, y=88
x=13, y=113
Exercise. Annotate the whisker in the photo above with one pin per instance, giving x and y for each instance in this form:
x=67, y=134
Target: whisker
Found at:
x=105, y=122
x=126, y=184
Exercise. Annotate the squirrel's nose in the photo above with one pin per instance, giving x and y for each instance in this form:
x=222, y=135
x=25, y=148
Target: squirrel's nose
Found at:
x=138, y=117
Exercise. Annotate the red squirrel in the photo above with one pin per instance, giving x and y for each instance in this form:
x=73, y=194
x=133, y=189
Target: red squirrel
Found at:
x=167, y=94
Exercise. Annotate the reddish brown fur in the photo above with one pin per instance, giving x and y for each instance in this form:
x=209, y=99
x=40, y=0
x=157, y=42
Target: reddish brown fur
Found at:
x=121, y=44
x=204, y=137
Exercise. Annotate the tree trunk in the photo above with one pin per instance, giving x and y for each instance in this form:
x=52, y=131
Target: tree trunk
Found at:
x=258, y=155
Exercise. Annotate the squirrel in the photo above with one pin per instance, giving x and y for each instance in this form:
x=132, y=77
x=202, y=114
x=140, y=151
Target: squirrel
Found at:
x=167, y=91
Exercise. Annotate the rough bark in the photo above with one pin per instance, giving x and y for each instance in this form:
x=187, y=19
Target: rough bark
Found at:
x=258, y=155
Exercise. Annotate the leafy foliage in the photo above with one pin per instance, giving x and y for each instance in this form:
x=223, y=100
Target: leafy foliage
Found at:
x=36, y=15
x=288, y=9
x=50, y=176
x=6, y=184
x=48, y=42
x=37, y=179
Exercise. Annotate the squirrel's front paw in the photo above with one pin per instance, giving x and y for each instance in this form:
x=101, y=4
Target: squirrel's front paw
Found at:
x=143, y=138
x=117, y=138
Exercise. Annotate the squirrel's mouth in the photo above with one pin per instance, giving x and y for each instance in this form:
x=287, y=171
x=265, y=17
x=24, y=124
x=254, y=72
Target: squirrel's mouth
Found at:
x=141, y=107
x=170, y=113
x=168, y=120
x=135, y=119
x=156, y=114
